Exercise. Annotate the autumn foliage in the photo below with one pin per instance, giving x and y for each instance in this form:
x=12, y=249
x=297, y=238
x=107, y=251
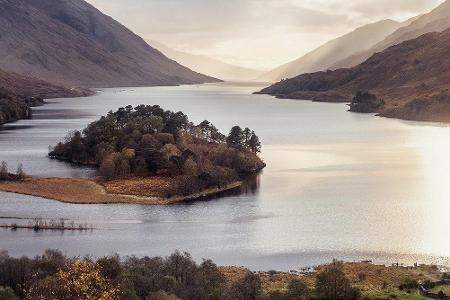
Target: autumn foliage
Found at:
x=78, y=279
x=148, y=141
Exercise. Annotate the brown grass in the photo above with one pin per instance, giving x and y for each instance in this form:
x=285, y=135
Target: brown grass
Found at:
x=144, y=191
x=148, y=187
x=378, y=282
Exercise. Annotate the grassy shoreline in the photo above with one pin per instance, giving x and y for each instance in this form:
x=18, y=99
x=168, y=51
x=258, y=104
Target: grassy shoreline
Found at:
x=373, y=280
x=142, y=277
x=87, y=191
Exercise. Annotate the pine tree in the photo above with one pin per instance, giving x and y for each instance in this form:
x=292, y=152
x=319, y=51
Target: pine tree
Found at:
x=235, y=138
x=4, y=171
x=20, y=172
x=254, y=143
x=247, y=134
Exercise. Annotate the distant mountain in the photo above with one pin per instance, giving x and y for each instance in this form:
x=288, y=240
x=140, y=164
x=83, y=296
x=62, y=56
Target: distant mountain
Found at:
x=435, y=21
x=335, y=50
x=410, y=80
x=207, y=65
x=70, y=42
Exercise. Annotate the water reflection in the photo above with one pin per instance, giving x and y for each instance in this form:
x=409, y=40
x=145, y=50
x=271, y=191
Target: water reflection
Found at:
x=251, y=184
x=5, y=128
x=58, y=114
x=249, y=187
x=435, y=167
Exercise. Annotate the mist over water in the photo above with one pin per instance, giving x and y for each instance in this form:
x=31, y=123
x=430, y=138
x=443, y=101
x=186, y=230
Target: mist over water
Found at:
x=337, y=185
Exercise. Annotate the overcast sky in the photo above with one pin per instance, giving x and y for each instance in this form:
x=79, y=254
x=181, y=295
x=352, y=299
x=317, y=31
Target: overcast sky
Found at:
x=253, y=33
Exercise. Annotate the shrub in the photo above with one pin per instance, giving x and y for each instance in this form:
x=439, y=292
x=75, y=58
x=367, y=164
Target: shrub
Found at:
x=161, y=295
x=428, y=284
x=277, y=295
x=7, y=294
x=408, y=284
x=297, y=290
x=331, y=283
x=246, y=288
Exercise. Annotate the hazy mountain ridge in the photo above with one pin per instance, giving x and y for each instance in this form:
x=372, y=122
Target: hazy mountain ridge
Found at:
x=412, y=78
x=335, y=50
x=208, y=65
x=435, y=21
x=72, y=43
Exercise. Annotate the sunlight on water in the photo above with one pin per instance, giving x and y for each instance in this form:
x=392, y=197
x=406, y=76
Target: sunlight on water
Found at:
x=435, y=159
x=337, y=185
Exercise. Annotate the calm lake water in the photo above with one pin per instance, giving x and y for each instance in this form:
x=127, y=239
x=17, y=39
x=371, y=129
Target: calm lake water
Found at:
x=337, y=185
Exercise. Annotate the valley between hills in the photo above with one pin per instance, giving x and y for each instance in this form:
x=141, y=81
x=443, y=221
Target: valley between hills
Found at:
x=137, y=137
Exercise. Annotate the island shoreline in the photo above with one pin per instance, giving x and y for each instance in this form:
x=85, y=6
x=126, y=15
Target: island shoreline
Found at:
x=380, y=114
x=92, y=192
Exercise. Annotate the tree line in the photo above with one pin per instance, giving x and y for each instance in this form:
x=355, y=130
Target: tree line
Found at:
x=148, y=140
x=178, y=276
x=12, y=109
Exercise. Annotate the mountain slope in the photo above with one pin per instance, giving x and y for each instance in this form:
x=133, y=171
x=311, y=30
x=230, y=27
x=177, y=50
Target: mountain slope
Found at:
x=207, y=65
x=70, y=42
x=435, y=21
x=410, y=80
x=18, y=93
x=23, y=86
x=333, y=51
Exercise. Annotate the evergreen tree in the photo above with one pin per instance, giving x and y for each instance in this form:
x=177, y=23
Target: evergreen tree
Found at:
x=247, y=134
x=205, y=128
x=20, y=172
x=4, y=171
x=236, y=139
x=254, y=144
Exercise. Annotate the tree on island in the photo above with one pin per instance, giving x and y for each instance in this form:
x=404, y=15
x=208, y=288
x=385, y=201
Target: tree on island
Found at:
x=149, y=141
x=246, y=135
x=20, y=173
x=4, y=175
x=236, y=138
x=108, y=168
x=254, y=143
x=244, y=139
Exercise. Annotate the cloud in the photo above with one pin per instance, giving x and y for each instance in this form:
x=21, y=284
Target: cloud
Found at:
x=258, y=33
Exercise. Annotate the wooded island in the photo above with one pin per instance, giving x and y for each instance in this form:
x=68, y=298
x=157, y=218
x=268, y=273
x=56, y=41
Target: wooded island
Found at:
x=149, y=155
